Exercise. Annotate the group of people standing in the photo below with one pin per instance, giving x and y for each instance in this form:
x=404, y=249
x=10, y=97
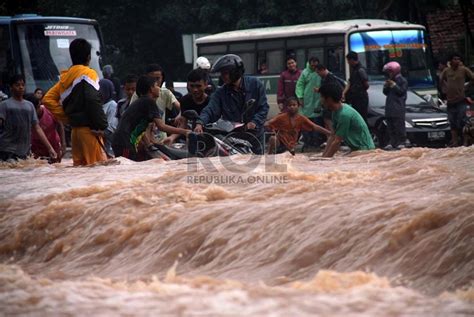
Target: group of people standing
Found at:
x=27, y=125
x=314, y=102
x=341, y=109
x=102, y=124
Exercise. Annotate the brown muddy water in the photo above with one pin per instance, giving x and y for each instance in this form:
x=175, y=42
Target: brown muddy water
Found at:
x=373, y=234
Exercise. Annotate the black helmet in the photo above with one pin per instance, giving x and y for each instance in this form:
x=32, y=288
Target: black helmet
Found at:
x=232, y=63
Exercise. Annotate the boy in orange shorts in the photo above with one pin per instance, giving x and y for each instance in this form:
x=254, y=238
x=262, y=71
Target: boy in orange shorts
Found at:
x=75, y=99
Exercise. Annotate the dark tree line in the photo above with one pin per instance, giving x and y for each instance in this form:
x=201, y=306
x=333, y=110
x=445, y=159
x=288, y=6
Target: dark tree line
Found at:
x=140, y=32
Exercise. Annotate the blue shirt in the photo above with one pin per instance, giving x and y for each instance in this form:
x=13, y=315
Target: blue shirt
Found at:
x=229, y=103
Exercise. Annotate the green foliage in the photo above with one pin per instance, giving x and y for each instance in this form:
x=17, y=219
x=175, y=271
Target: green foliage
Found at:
x=142, y=32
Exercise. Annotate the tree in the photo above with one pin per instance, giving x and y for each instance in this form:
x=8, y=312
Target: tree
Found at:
x=147, y=31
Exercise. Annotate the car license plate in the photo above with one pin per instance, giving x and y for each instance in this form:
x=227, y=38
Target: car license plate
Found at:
x=437, y=135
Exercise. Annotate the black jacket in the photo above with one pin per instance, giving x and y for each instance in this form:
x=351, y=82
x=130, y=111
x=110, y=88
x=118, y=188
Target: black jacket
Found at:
x=396, y=98
x=223, y=104
x=84, y=107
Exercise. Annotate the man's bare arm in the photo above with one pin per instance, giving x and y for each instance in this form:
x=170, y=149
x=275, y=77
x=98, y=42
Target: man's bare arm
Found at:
x=333, y=146
x=320, y=129
x=44, y=140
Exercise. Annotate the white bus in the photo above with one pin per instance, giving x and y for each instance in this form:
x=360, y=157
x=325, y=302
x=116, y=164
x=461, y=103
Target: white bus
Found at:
x=376, y=41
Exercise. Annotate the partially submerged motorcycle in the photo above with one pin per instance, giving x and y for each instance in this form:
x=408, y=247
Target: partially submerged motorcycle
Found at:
x=221, y=138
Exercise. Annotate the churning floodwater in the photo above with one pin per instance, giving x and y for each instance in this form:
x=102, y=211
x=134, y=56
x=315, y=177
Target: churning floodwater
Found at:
x=369, y=234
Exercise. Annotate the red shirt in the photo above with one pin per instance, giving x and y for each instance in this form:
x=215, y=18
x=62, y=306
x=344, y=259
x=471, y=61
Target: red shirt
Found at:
x=287, y=85
x=49, y=126
x=288, y=133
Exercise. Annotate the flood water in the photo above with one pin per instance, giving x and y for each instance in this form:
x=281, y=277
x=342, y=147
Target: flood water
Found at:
x=369, y=234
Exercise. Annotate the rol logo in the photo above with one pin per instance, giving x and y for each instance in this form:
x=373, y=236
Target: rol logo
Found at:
x=236, y=152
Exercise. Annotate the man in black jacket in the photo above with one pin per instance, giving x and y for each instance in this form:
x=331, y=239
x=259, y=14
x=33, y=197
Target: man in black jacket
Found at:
x=229, y=101
x=327, y=78
x=355, y=92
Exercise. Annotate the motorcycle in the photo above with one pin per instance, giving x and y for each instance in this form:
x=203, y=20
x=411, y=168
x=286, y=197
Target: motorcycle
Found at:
x=195, y=145
x=221, y=138
x=227, y=135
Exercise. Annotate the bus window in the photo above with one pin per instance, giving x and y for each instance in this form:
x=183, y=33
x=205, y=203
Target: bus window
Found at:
x=262, y=68
x=317, y=52
x=335, y=61
x=4, y=57
x=333, y=40
x=213, y=49
x=212, y=58
x=407, y=47
x=276, y=61
x=44, y=50
x=299, y=55
x=305, y=42
x=247, y=58
x=242, y=47
x=270, y=45
x=249, y=62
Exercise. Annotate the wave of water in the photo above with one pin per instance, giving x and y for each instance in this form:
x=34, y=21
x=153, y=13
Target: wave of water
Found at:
x=367, y=234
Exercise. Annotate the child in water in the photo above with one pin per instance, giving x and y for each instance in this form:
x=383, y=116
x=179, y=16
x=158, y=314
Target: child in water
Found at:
x=53, y=130
x=288, y=127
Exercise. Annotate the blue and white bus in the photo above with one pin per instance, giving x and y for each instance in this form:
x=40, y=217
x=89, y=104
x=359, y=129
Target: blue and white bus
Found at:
x=38, y=47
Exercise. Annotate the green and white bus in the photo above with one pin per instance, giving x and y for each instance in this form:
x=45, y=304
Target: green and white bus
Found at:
x=376, y=41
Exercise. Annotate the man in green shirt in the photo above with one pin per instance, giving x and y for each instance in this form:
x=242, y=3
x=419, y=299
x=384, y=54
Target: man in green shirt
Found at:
x=348, y=124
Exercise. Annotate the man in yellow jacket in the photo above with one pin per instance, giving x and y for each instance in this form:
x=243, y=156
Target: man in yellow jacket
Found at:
x=75, y=100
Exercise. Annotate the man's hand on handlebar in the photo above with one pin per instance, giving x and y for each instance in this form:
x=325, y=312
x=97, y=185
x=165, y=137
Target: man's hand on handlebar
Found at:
x=251, y=126
x=180, y=121
x=168, y=141
x=198, y=128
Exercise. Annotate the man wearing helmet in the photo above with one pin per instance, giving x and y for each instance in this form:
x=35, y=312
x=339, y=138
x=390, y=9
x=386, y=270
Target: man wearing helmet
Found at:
x=229, y=100
x=204, y=64
x=395, y=89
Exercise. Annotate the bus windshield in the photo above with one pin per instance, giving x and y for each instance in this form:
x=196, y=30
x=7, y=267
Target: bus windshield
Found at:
x=407, y=47
x=44, y=49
